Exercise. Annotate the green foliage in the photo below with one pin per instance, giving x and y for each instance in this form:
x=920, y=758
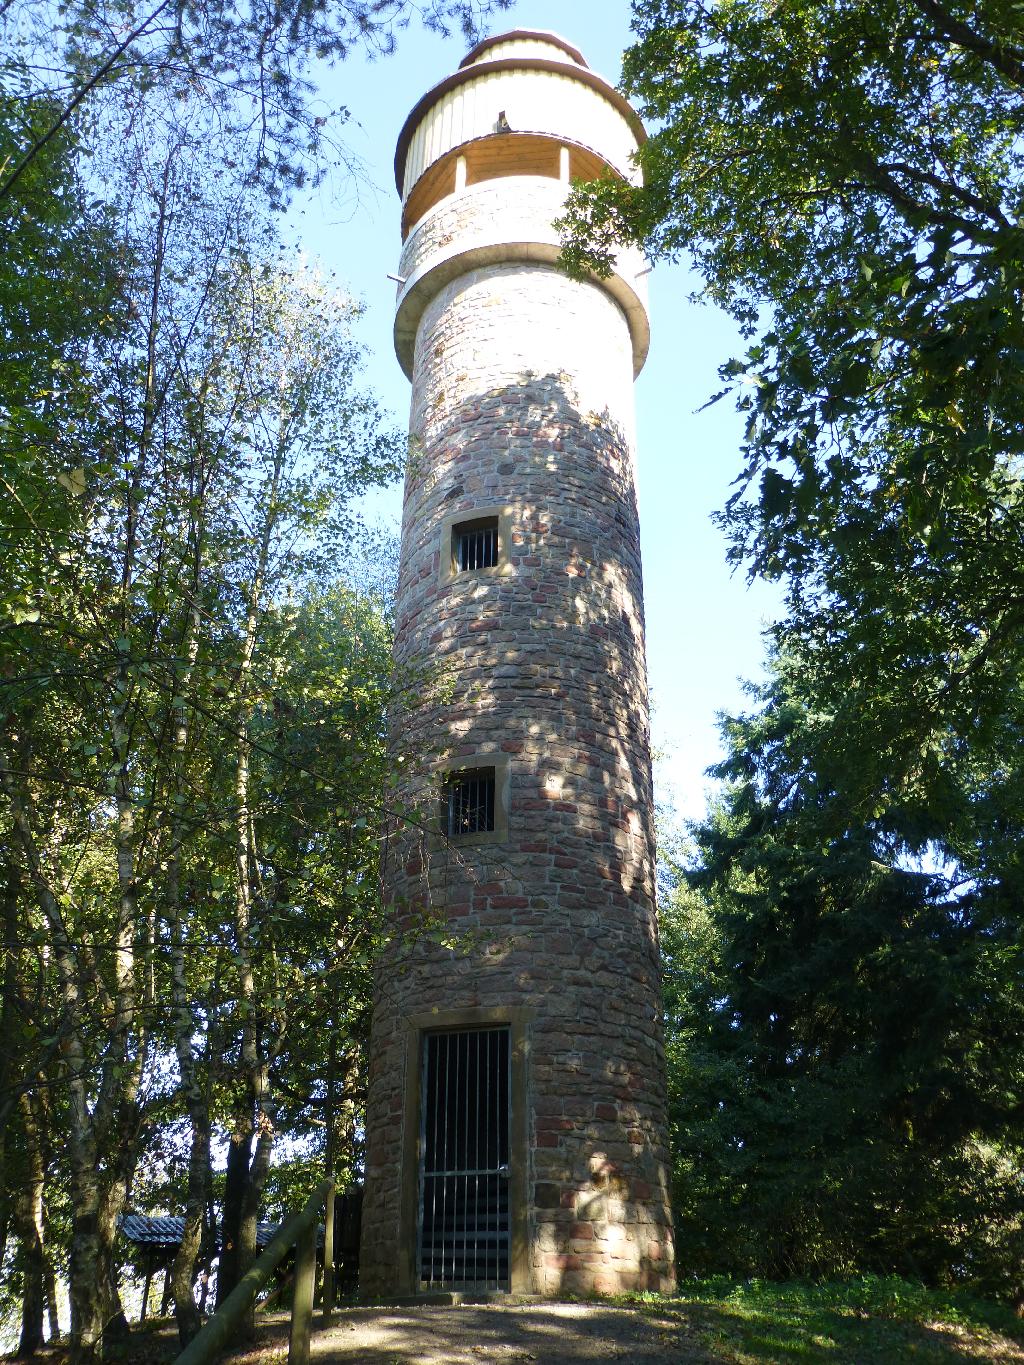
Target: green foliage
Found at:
x=193, y=688
x=192, y=711
x=844, y=1037
x=866, y=1319
x=57, y=295
x=847, y=177
x=244, y=76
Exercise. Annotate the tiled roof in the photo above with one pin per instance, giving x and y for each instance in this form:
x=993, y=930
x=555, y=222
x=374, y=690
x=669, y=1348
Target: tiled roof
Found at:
x=152, y=1231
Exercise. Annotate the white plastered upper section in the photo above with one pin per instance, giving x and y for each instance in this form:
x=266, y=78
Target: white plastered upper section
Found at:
x=533, y=101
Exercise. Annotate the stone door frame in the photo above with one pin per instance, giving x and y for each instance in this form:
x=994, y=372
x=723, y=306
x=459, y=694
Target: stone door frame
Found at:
x=517, y=1021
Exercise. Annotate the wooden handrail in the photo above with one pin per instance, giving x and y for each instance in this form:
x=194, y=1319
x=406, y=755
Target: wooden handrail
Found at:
x=299, y=1230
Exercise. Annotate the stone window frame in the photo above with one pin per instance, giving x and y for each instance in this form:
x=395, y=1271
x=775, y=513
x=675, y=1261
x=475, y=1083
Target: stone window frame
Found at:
x=517, y=1019
x=501, y=763
x=448, y=570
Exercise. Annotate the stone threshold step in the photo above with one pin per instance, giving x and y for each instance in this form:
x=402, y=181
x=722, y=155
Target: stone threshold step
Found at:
x=451, y=1299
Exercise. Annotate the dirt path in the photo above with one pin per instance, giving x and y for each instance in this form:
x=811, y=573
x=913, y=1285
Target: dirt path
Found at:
x=666, y=1333
x=550, y=1334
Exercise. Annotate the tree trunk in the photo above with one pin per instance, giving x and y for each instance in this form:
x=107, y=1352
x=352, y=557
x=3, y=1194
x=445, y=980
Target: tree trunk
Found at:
x=209, y=1248
x=86, y=1299
x=183, y=1268
x=235, y=1183
x=37, y=1272
x=109, y=1124
x=182, y=1272
x=86, y=1307
x=258, y=1169
x=28, y=1206
x=116, y=1329
x=50, y=1284
x=32, y=1294
x=8, y=1015
x=252, y=1058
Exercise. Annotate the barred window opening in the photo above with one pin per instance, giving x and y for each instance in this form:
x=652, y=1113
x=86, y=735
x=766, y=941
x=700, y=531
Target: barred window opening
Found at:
x=470, y=802
x=475, y=544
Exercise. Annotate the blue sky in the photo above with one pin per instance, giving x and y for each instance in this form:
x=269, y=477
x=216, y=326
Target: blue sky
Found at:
x=703, y=623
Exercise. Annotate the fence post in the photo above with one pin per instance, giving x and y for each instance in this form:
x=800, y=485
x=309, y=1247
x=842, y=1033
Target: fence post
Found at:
x=328, y=1306
x=302, y=1304
x=299, y=1231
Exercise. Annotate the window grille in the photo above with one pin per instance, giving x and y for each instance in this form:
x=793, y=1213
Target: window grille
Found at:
x=475, y=544
x=464, y=1159
x=470, y=802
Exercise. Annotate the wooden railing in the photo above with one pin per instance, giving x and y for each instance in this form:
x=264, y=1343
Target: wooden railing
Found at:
x=298, y=1231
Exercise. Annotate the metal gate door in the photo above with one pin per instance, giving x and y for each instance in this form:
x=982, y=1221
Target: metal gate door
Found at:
x=464, y=1128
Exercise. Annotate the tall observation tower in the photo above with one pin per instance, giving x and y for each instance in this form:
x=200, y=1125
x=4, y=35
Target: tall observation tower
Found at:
x=516, y=1123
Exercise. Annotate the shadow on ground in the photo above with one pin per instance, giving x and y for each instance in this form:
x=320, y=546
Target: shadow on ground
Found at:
x=729, y=1331
x=550, y=1334
x=663, y=1333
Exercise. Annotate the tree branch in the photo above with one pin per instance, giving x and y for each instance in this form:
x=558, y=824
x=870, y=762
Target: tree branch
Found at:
x=79, y=96
x=1007, y=60
x=936, y=182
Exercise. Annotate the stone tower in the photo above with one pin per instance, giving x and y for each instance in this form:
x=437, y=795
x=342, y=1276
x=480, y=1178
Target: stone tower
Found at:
x=515, y=1121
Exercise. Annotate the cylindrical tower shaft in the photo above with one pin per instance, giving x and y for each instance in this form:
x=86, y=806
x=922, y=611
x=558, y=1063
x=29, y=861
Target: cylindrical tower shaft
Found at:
x=515, y=1125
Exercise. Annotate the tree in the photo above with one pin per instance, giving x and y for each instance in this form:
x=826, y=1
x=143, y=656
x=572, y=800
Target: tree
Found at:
x=246, y=71
x=848, y=180
x=221, y=443
x=191, y=695
x=52, y=322
x=57, y=298
x=843, y=1037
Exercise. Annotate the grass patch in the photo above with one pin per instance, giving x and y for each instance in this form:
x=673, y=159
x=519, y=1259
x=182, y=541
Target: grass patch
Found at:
x=865, y=1321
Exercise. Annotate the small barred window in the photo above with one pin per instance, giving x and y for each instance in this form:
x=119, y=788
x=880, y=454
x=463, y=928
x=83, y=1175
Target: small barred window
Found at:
x=475, y=544
x=470, y=802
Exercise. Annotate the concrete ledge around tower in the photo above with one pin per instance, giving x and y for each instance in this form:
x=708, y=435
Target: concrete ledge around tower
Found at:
x=421, y=287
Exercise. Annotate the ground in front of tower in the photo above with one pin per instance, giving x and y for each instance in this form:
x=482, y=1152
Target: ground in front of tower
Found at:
x=474, y=1334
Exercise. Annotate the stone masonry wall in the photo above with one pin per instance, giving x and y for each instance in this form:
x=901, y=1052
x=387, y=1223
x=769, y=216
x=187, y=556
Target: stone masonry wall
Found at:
x=522, y=396
x=487, y=213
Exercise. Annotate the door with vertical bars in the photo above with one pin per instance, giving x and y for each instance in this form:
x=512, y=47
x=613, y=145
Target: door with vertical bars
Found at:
x=464, y=1160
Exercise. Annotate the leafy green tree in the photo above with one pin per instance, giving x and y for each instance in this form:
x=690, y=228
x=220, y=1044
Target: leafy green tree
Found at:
x=191, y=704
x=58, y=300
x=247, y=73
x=844, y=1037
x=847, y=177
x=58, y=295
x=191, y=701
x=226, y=437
